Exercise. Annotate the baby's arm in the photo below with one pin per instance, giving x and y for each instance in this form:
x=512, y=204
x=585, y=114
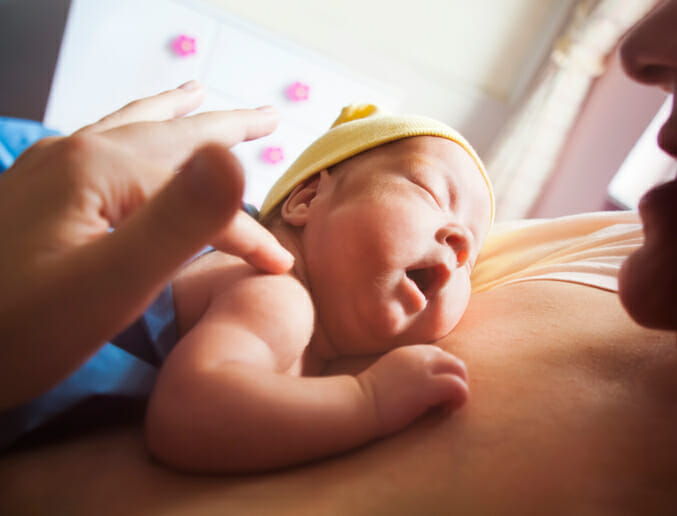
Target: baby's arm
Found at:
x=225, y=400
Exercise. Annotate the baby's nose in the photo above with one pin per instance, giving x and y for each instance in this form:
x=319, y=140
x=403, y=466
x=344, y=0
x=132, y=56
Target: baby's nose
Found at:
x=459, y=239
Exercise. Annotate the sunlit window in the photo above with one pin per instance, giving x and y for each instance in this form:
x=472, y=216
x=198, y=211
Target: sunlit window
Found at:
x=646, y=165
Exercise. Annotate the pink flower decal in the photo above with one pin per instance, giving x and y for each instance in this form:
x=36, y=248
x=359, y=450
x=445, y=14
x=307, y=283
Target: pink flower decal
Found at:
x=272, y=155
x=184, y=46
x=298, y=92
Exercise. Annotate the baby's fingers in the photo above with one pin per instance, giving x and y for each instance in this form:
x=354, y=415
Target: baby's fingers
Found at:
x=446, y=376
x=446, y=363
x=452, y=390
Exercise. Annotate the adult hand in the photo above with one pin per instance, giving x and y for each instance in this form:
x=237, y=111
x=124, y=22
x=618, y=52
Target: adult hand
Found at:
x=68, y=284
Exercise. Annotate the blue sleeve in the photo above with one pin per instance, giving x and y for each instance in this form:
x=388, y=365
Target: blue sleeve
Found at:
x=16, y=136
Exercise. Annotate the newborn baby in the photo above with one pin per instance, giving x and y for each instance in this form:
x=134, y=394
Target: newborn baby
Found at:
x=385, y=216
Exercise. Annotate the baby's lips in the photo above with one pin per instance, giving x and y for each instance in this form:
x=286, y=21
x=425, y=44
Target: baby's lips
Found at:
x=413, y=299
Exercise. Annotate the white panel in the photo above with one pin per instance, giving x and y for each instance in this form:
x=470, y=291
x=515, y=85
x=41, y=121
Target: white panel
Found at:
x=260, y=174
x=258, y=69
x=114, y=51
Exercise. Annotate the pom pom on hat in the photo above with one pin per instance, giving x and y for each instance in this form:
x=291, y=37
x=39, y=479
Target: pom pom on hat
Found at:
x=358, y=128
x=354, y=112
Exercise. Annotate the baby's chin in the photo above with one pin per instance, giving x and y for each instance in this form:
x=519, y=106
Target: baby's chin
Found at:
x=427, y=329
x=442, y=320
x=378, y=330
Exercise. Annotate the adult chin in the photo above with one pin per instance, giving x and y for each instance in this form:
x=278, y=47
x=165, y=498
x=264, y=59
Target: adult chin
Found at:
x=667, y=136
x=647, y=287
x=647, y=281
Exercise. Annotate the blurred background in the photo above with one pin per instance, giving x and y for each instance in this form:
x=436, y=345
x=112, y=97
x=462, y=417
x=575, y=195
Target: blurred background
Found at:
x=535, y=85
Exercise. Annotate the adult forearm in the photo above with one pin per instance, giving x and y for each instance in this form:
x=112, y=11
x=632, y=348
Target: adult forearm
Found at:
x=67, y=284
x=36, y=352
x=56, y=320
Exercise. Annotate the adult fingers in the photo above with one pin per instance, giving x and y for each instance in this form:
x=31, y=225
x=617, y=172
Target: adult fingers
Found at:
x=242, y=236
x=129, y=266
x=167, y=105
x=246, y=238
x=171, y=142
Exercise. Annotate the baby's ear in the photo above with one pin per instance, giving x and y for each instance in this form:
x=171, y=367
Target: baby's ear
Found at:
x=297, y=204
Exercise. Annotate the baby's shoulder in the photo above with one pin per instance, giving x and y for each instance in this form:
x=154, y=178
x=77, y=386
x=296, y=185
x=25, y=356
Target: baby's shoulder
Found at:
x=218, y=281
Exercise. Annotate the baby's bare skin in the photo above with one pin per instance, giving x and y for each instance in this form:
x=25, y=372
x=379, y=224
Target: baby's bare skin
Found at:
x=247, y=380
x=385, y=245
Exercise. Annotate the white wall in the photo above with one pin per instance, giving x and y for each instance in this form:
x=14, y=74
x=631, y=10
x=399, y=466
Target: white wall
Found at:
x=115, y=51
x=461, y=61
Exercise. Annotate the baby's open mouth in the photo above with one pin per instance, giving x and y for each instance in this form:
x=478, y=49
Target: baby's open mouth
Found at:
x=429, y=280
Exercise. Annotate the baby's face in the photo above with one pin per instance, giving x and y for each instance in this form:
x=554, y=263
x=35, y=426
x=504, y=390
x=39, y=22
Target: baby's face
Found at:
x=390, y=241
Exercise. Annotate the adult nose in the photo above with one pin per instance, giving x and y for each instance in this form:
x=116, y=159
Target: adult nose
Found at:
x=648, y=52
x=458, y=238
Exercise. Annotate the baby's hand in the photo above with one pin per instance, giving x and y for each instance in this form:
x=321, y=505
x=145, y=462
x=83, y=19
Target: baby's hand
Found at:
x=407, y=381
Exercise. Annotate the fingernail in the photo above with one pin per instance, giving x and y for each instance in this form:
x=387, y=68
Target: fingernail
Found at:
x=267, y=109
x=288, y=257
x=191, y=85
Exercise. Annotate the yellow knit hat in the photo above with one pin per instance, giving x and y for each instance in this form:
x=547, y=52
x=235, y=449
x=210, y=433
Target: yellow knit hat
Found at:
x=358, y=128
